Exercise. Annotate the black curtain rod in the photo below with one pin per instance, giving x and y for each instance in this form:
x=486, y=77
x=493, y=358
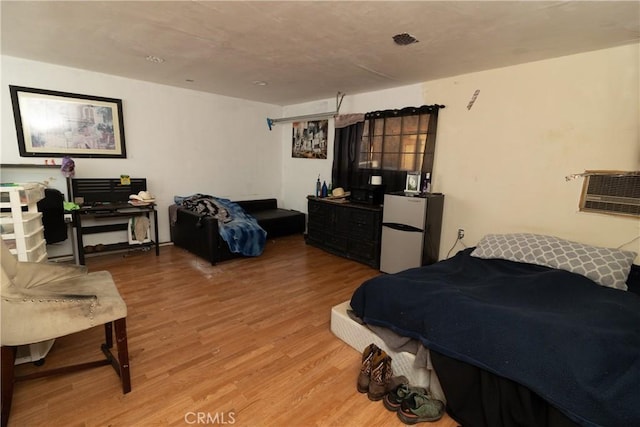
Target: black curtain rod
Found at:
x=407, y=111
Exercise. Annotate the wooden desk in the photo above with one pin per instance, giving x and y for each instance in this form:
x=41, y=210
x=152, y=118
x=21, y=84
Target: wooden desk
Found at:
x=107, y=212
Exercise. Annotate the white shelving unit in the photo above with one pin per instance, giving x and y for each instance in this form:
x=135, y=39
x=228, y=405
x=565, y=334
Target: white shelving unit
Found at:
x=22, y=230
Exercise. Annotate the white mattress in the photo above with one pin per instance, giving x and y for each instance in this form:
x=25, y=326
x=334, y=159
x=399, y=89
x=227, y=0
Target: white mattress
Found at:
x=359, y=337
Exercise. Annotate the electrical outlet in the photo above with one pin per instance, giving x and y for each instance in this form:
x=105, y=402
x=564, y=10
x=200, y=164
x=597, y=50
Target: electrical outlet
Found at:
x=460, y=233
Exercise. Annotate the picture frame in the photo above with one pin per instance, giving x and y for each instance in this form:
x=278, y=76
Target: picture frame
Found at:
x=58, y=124
x=413, y=182
x=309, y=139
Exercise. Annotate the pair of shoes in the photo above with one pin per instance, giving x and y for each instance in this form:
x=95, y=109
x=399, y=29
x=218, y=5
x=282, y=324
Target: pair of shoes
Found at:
x=418, y=408
x=394, y=398
x=364, y=377
x=375, y=372
x=381, y=374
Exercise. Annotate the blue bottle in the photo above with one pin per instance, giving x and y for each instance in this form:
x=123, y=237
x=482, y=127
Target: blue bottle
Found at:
x=324, y=189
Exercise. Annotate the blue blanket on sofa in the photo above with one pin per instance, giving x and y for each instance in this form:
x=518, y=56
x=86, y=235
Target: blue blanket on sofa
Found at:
x=237, y=228
x=573, y=342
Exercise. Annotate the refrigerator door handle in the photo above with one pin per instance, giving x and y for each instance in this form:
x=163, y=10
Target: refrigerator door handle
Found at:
x=401, y=227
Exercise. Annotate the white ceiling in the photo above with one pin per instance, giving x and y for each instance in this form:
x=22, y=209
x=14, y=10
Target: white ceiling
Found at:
x=307, y=50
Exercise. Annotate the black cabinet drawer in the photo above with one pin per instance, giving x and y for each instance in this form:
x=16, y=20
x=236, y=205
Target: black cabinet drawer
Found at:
x=319, y=213
x=346, y=230
x=317, y=225
x=362, y=250
x=336, y=242
x=341, y=219
x=364, y=218
x=362, y=231
x=317, y=236
x=316, y=207
x=315, y=232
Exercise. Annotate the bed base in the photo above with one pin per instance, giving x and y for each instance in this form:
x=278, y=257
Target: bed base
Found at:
x=359, y=336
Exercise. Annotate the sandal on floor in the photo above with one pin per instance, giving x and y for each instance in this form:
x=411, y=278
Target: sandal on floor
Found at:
x=418, y=408
x=393, y=400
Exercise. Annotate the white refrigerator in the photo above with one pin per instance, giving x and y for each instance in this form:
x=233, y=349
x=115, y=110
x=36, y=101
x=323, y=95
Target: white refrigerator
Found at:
x=410, y=231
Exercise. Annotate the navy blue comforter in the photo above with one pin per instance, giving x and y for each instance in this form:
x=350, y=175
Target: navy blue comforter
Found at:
x=573, y=342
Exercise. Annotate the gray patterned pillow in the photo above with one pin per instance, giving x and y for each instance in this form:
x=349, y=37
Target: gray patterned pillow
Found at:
x=607, y=267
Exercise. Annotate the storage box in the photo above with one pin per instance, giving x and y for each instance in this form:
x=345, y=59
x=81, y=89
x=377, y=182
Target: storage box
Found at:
x=37, y=254
x=30, y=192
x=33, y=352
x=31, y=221
x=30, y=240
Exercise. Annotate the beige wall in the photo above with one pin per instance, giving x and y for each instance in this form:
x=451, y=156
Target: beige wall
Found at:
x=502, y=164
x=182, y=141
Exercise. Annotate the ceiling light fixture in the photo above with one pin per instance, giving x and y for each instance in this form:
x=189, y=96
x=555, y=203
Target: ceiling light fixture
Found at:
x=155, y=59
x=404, y=39
x=260, y=83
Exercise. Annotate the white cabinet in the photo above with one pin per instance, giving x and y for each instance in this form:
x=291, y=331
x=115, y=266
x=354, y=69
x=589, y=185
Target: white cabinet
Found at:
x=21, y=223
x=22, y=231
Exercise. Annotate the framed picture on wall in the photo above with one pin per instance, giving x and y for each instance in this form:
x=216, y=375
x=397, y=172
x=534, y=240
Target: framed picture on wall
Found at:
x=309, y=139
x=58, y=124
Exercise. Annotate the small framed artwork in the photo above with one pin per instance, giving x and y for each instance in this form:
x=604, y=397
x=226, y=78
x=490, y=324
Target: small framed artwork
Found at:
x=413, y=182
x=309, y=139
x=51, y=123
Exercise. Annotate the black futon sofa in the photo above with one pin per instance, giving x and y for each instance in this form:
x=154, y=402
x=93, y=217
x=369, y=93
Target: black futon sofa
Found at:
x=199, y=233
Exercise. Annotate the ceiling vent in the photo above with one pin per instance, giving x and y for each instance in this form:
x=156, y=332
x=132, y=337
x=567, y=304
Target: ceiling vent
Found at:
x=616, y=193
x=404, y=39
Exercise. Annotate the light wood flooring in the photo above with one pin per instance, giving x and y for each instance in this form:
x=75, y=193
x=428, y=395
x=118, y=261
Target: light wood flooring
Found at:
x=246, y=342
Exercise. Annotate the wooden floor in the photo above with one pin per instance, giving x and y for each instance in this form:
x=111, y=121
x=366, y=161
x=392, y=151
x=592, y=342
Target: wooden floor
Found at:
x=246, y=342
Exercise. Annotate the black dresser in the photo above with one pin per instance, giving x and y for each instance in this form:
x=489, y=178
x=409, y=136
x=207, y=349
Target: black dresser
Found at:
x=346, y=229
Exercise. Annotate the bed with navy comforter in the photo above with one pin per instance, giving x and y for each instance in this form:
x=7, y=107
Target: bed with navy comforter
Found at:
x=570, y=341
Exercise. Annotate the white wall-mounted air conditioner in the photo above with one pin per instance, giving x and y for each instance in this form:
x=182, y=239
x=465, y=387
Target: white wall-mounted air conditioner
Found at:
x=611, y=192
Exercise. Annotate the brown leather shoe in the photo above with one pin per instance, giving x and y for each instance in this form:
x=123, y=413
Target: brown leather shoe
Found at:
x=381, y=373
x=368, y=355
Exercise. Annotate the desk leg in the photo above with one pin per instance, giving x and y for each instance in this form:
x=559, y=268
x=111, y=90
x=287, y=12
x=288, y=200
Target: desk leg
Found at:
x=71, y=225
x=80, y=243
x=74, y=243
x=155, y=230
